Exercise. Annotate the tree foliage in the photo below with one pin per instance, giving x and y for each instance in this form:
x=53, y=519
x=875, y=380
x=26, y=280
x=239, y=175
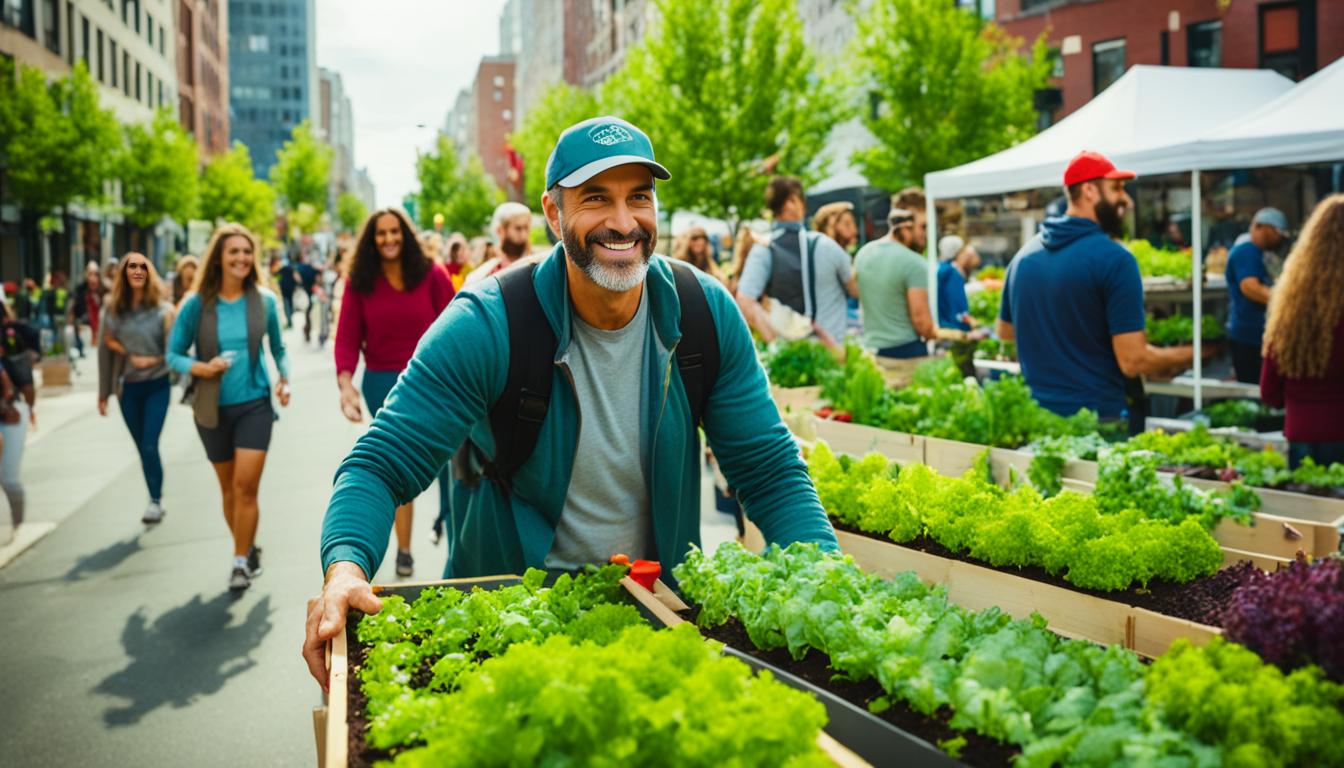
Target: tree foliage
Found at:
x=561, y=106
x=462, y=192
x=230, y=192
x=59, y=143
x=301, y=169
x=729, y=93
x=159, y=171
x=952, y=88
x=350, y=212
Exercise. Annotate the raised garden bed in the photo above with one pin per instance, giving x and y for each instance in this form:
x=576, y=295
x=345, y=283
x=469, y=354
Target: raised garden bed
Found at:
x=343, y=723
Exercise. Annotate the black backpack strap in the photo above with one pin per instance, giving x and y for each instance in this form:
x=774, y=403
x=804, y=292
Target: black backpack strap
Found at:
x=516, y=417
x=811, y=275
x=698, y=350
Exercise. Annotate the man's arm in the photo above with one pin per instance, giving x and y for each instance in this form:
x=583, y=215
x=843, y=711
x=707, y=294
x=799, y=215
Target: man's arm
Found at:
x=750, y=285
x=753, y=447
x=1139, y=358
x=920, y=316
x=1253, y=289
x=1004, y=330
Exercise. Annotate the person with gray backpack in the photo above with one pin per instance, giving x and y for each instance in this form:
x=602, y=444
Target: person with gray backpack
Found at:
x=807, y=272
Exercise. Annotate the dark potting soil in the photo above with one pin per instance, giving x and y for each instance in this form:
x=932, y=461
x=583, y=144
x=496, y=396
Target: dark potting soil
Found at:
x=1210, y=473
x=1200, y=600
x=360, y=754
x=815, y=669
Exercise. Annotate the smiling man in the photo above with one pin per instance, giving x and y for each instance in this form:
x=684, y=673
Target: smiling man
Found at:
x=571, y=391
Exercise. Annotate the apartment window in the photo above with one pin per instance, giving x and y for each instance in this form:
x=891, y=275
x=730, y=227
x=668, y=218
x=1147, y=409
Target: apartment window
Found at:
x=101, y=77
x=1206, y=44
x=160, y=90
x=258, y=43
x=126, y=73
x=1108, y=64
x=112, y=62
x=51, y=25
x=1164, y=44
x=161, y=50
x=69, y=34
x=84, y=40
x=499, y=81
x=137, y=81
x=1281, y=37
x=499, y=95
x=19, y=14
x=149, y=29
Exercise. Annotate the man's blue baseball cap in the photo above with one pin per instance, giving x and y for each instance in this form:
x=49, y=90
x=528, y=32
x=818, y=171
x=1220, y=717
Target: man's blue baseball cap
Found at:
x=588, y=148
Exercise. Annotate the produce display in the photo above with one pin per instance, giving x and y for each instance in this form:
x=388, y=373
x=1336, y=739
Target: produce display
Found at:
x=1061, y=702
x=984, y=306
x=801, y=363
x=1179, y=329
x=941, y=403
x=1076, y=536
x=1242, y=414
x=993, y=349
x=566, y=675
x=1199, y=453
x=1160, y=262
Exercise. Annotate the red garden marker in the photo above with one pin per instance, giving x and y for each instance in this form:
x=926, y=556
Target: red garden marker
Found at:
x=645, y=572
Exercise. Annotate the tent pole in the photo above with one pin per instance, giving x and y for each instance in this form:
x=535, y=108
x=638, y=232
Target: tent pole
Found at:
x=1197, y=270
x=931, y=231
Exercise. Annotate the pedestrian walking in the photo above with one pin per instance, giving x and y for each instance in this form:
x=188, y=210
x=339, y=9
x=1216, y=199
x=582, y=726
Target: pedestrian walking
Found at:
x=512, y=225
x=836, y=221
x=57, y=311
x=184, y=278
x=133, y=365
x=1249, y=285
x=224, y=322
x=88, y=304
x=1303, y=370
x=18, y=412
x=392, y=296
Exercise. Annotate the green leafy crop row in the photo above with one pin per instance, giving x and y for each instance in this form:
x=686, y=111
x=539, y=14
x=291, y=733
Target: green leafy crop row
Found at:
x=1064, y=702
x=1072, y=534
x=1179, y=329
x=939, y=402
x=801, y=363
x=1159, y=262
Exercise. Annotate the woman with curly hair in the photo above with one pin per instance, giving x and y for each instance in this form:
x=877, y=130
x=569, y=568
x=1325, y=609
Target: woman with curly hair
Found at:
x=392, y=296
x=224, y=321
x=1304, y=340
x=694, y=249
x=133, y=365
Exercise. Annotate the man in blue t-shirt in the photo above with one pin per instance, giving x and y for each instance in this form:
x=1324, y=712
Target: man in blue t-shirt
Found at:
x=958, y=260
x=1248, y=288
x=1073, y=301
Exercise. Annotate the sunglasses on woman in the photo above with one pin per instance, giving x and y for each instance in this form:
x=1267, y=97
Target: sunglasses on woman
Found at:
x=137, y=266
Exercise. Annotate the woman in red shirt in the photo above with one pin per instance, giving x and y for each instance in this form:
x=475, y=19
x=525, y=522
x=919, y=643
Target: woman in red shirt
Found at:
x=1304, y=340
x=392, y=295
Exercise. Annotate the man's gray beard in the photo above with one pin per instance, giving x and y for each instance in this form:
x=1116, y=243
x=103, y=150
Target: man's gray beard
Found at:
x=617, y=279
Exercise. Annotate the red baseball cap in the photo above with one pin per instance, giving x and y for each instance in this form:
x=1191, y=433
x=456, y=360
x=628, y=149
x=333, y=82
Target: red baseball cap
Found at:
x=1087, y=166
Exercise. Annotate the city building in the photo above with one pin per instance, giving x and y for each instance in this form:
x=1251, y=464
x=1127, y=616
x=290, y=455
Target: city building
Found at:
x=336, y=126
x=540, y=58
x=361, y=185
x=598, y=35
x=1095, y=41
x=827, y=25
x=272, y=73
x=126, y=47
x=493, y=118
x=460, y=124
x=511, y=28
x=203, y=72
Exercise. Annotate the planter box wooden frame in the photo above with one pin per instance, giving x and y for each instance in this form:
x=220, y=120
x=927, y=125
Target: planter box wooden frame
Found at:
x=1069, y=613
x=1287, y=522
x=330, y=723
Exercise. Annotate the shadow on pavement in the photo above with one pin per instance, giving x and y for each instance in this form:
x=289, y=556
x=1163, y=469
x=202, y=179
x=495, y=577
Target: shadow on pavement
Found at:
x=105, y=559
x=188, y=652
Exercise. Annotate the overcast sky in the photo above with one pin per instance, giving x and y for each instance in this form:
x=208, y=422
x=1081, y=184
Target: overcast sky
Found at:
x=402, y=63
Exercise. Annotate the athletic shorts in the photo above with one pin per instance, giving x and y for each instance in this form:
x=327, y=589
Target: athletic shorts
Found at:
x=243, y=425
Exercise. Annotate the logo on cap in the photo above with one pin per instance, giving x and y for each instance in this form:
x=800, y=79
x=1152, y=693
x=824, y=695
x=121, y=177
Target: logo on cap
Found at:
x=610, y=134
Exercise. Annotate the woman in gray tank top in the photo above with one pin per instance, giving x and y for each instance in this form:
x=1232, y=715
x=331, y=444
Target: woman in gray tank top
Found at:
x=131, y=365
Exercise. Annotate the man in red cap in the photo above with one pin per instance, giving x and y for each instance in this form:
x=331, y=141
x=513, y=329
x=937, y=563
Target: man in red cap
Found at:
x=1073, y=301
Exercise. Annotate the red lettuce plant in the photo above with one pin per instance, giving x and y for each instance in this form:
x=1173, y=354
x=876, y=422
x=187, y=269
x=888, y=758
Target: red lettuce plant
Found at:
x=1293, y=617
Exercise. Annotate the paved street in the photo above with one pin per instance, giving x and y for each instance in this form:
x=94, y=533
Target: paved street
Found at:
x=122, y=645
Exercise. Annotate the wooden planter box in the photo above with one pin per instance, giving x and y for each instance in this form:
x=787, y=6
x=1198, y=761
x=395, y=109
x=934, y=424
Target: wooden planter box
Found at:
x=857, y=440
x=1069, y=613
x=795, y=399
x=659, y=606
x=55, y=372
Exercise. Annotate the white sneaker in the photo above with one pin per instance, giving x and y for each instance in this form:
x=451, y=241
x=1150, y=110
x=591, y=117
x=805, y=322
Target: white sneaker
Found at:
x=153, y=514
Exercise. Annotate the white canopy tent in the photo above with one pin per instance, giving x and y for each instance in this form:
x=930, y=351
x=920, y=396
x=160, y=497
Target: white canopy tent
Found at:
x=1138, y=122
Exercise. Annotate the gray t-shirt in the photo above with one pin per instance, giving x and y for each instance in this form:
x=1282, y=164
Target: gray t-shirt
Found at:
x=140, y=331
x=607, y=508
x=832, y=270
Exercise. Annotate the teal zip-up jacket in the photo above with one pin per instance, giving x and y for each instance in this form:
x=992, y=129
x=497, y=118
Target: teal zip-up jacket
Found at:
x=458, y=372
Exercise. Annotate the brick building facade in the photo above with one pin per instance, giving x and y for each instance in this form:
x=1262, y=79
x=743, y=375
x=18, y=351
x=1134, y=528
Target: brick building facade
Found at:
x=203, y=72
x=1095, y=41
x=493, y=102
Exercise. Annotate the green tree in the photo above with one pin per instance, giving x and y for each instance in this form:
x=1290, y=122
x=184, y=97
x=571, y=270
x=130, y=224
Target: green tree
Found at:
x=230, y=192
x=59, y=144
x=350, y=212
x=159, y=171
x=951, y=87
x=462, y=192
x=301, y=169
x=561, y=106
x=729, y=93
